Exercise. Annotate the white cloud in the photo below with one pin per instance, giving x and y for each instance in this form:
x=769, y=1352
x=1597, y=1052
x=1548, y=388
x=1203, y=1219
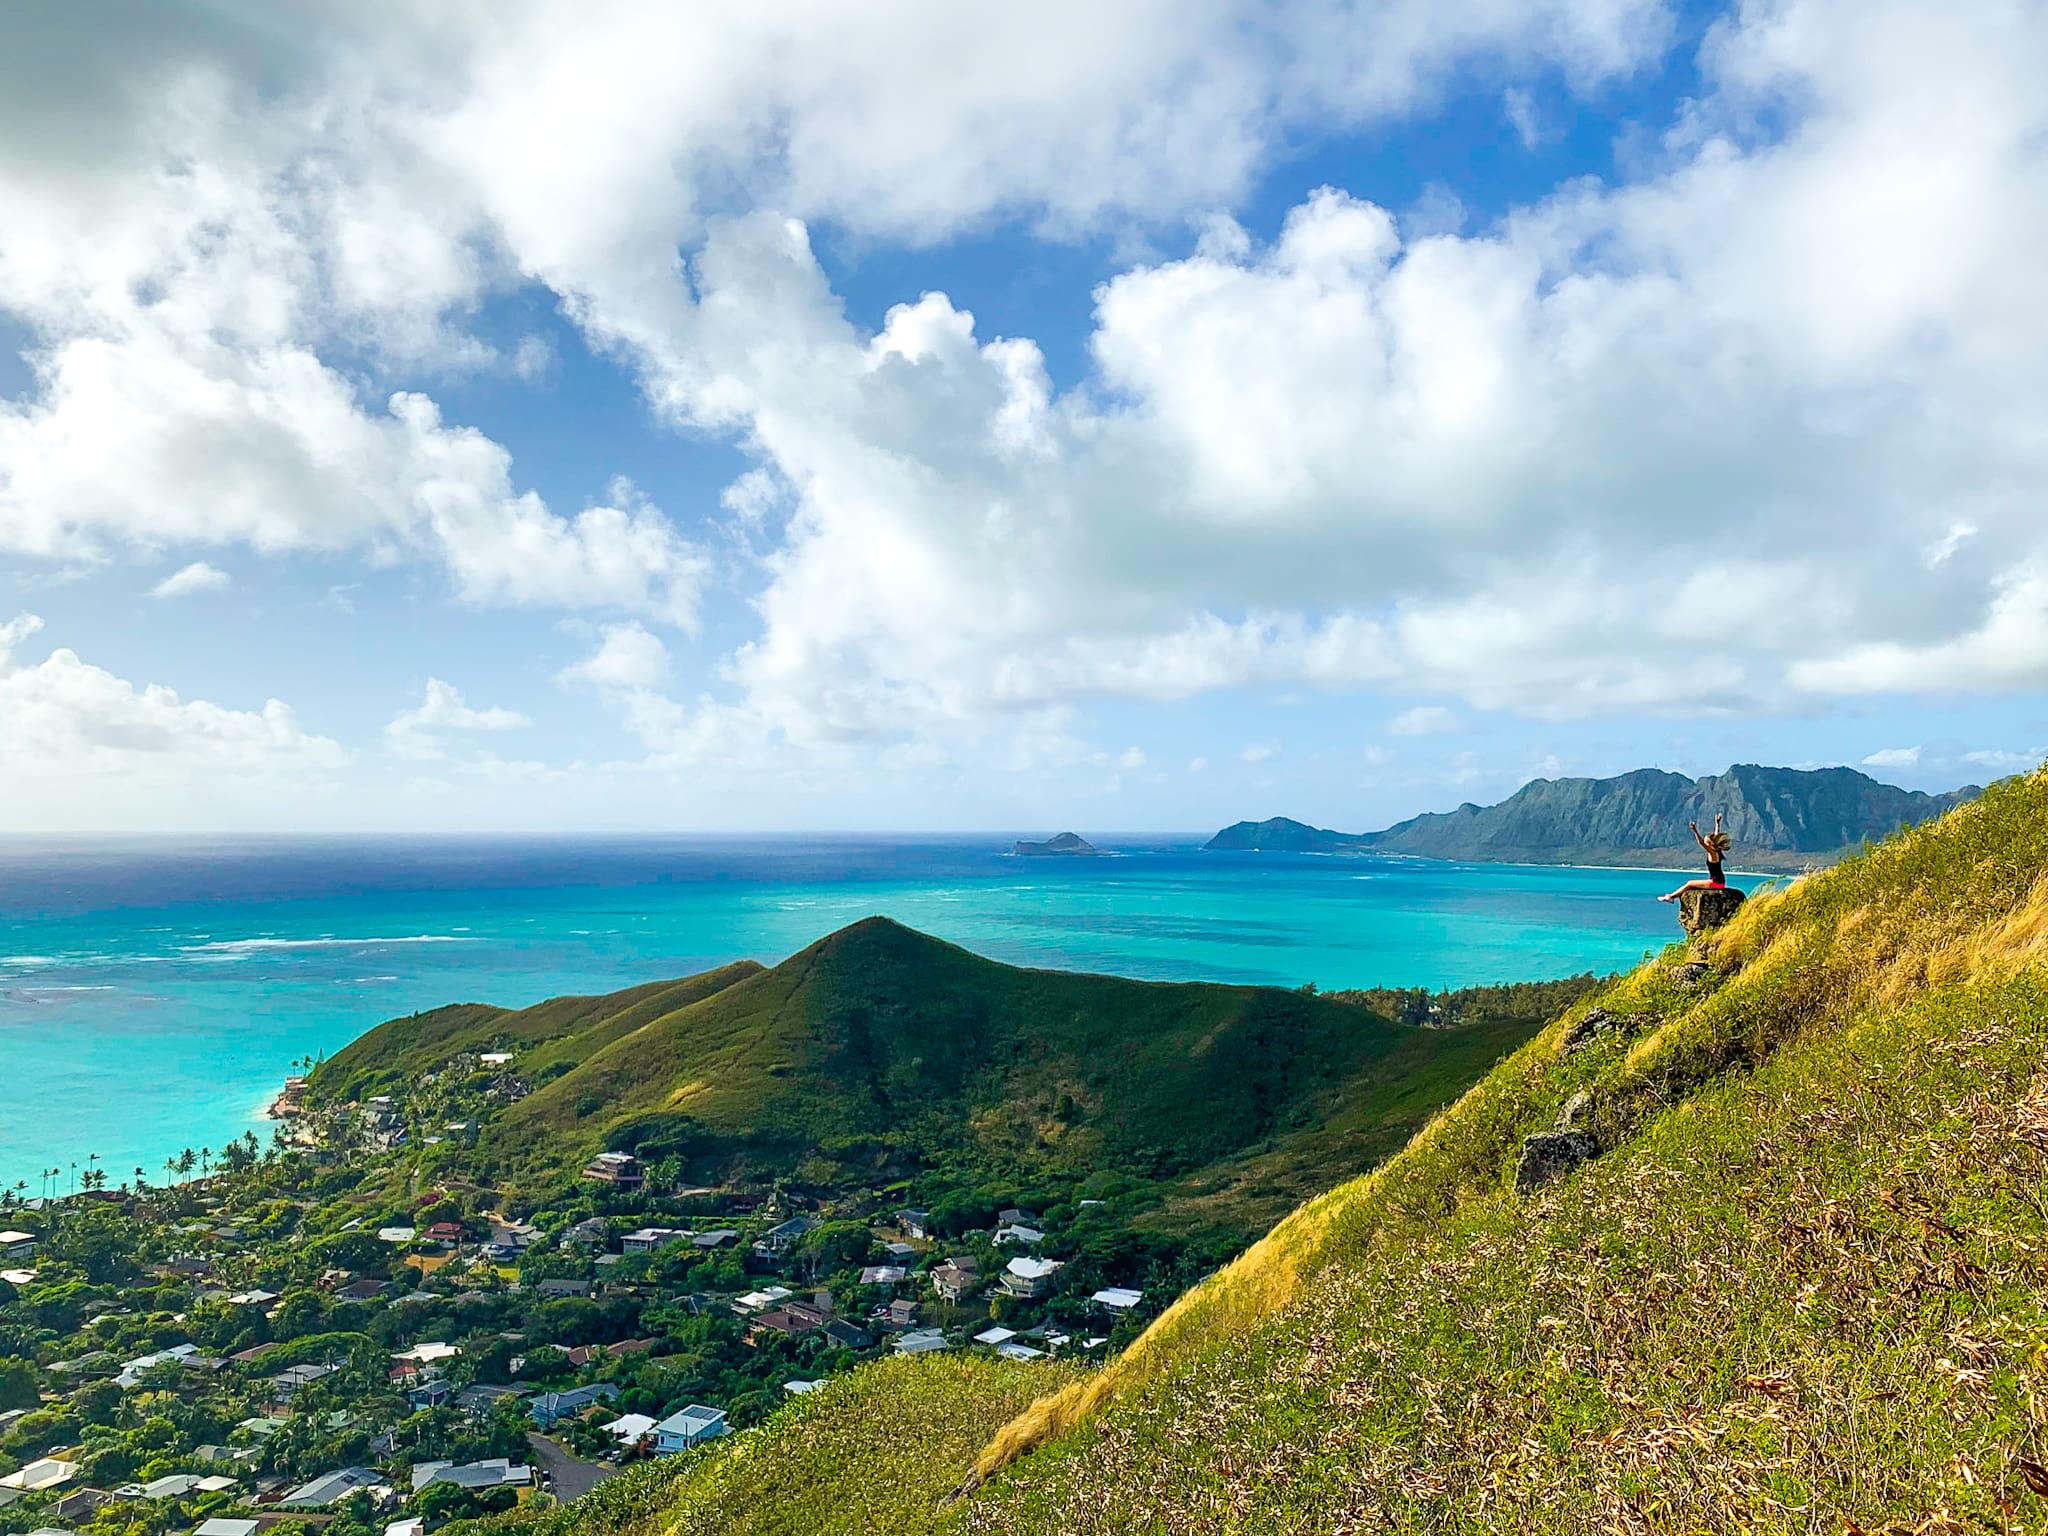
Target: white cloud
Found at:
x=77, y=736
x=627, y=657
x=1260, y=752
x=1197, y=764
x=1491, y=466
x=1894, y=757
x=1425, y=720
x=187, y=579
x=418, y=732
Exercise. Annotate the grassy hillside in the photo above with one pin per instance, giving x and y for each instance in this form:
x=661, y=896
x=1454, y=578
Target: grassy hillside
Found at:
x=1802, y=1288
x=879, y=1049
x=562, y=1030
x=825, y=1470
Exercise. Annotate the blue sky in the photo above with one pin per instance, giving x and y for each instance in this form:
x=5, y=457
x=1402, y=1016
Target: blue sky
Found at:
x=548, y=418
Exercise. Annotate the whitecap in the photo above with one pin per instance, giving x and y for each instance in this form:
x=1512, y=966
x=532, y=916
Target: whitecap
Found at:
x=231, y=948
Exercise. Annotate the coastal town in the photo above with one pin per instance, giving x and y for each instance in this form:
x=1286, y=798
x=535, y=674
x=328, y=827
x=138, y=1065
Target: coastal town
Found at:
x=277, y=1344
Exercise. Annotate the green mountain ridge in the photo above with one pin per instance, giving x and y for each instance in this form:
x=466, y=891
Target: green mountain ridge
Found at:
x=1797, y=1288
x=878, y=1051
x=1780, y=818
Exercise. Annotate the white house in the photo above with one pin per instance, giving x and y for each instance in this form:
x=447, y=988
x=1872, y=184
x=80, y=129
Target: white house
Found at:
x=926, y=1341
x=49, y=1472
x=630, y=1429
x=687, y=1427
x=17, y=1246
x=225, y=1525
x=648, y=1239
x=1117, y=1299
x=1029, y=1277
x=1019, y=1234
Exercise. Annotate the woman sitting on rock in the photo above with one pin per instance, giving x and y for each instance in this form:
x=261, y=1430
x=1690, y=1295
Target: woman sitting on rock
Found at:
x=1716, y=844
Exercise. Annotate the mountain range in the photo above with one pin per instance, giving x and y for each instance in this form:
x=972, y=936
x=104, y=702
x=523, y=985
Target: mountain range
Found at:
x=1779, y=818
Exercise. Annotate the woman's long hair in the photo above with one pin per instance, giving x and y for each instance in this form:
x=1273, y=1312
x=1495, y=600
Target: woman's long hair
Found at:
x=1718, y=843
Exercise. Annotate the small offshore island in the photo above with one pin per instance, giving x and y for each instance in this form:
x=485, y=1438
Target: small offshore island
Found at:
x=1067, y=844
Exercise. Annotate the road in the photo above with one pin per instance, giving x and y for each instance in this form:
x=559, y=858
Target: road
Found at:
x=572, y=1477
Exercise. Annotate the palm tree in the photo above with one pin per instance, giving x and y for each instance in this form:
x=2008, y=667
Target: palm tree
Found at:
x=186, y=1160
x=205, y=1158
x=171, y=1168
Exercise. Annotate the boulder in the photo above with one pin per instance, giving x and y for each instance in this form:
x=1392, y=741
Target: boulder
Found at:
x=1699, y=911
x=1550, y=1155
x=1578, y=1109
x=1596, y=1023
x=1690, y=974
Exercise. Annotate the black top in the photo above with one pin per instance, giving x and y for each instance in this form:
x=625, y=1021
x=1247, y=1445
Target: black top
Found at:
x=1714, y=870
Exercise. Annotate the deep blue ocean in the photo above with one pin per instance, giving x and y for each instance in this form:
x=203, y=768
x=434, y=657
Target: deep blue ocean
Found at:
x=153, y=994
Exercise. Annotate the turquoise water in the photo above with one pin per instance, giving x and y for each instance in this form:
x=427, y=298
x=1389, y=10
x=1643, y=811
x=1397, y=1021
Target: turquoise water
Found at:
x=153, y=995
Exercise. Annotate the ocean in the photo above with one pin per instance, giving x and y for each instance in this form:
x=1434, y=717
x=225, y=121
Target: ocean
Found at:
x=154, y=993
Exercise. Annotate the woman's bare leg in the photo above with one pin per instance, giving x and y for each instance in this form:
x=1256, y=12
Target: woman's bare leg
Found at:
x=1690, y=885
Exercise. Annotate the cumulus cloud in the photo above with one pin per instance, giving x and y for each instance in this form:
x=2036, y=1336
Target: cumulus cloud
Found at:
x=187, y=579
x=420, y=732
x=68, y=720
x=1260, y=752
x=1893, y=757
x=1700, y=442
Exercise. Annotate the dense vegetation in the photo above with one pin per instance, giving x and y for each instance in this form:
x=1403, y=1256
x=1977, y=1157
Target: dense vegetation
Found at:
x=1799, y=1289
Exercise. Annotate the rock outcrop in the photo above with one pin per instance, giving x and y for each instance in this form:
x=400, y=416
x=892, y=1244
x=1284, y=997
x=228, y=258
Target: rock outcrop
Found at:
x=1597, y=1023
x=1699, y=911
x=1550, y=1155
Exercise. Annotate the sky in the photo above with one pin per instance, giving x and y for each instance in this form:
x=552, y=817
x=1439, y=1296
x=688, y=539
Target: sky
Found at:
x=534, y=416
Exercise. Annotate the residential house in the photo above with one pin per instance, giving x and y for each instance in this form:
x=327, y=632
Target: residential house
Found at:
x=1015, y=1351
x=332, y=1487
x=413, y=1525
x=761, y=1300
x=285, y=1385
x=227, y=1525
x=994, y=1336
x=547, y=1409
x=630, y=1429
x=591, y=1232
x=719, y=1237
x=134, y=1370
x=926, y=1341
x=496, y=1058
x=1029, y=1277
x=477, y=1401
x=779, y=1239
x=687, y=1427
x=1011, y=1216
x=801, y=1388
x=498, y=1472
x=17, y=1247
x=365, y=1289
x=446, y=1232
x=884, y=1274
x=845, y=1336
x=915, y=1222
x=1019, y=1234
x=430, y=1352
x=900, y=1313
x=621, y=1170
x=651, y=1239
x=1116, y=1299
x=397, y=1234
x=900, y=1253
x=563, y=1288
x=430, y=1392
x=45, y=1472
x=957, y=1280
x=791, y=1322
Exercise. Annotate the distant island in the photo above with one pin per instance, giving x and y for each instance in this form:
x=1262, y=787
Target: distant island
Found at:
x=1780, y=818
x=1066, y=845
